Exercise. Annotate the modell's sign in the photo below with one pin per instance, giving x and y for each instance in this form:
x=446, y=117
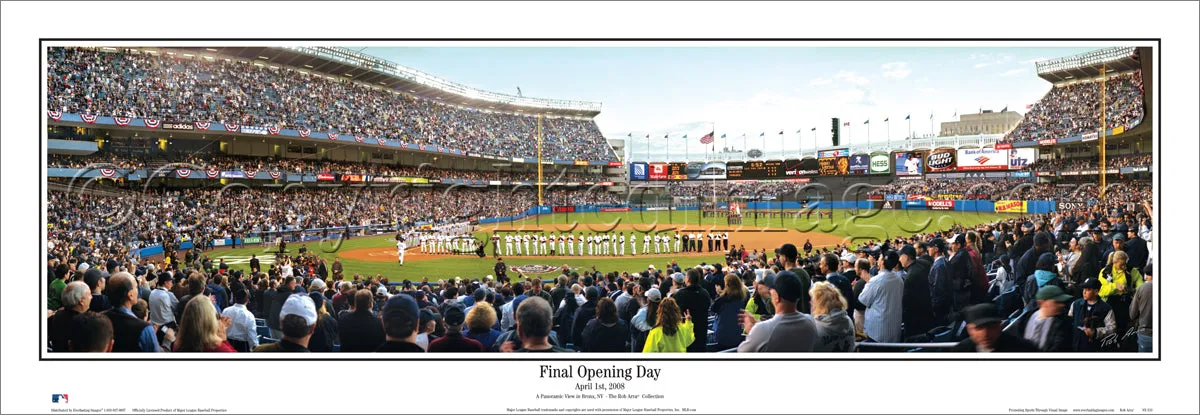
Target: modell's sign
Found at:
x=939, y=204
x=1047, y=141
x=182, y=126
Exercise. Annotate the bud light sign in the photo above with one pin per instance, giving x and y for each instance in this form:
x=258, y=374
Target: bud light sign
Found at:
x=940, y=160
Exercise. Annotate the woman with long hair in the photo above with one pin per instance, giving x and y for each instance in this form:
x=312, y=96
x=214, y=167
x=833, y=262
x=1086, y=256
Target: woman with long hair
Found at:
x=326, y=331
x=1118, y=282
x=674, y=332
x=645, y=319
x=200, y=329
x=727, y=328
x=835, y=328
x=606, y=332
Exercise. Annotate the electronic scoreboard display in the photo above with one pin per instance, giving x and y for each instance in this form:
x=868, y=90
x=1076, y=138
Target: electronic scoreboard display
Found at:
x=676, y=171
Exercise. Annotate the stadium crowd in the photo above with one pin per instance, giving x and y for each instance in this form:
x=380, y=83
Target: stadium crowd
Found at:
x=973, y=188
x=175, y=88
x=1061, y=282
x=1136, y=160
x=307, y=166
x=1073, y=110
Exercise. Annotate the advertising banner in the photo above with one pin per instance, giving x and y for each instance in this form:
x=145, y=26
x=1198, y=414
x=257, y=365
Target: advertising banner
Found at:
x=733, y=170
x=1020, y=174
x=637, y=171
x=564, y=209
x=232, y=175
x=894, y=196
x=1010, y=206
x=838, y=166
x=354, y=178
x=1003, y=146
x=621, y=209
x=973, y=159
x=917, y=196
x=658, y=171
x=581, y=162
x=1116, y=130
x=801, y=167
x=909, y=163
x=890, y=204
x=860, y=163
x=1045, y=174
x=914, y=204
x=1064, y=205
x=881, y=163
x=949, y=196
x=677, y=171
x=707, y=171
x=325, y=177
x=253, y=130
x=1019, y=158
x=1092, y=136
x=182, y=126
x=938, y=204
x=941, y=159
x=875, y=197
x=833, y=153
x=252, y=240
x=614, y=164
x=1047, y=141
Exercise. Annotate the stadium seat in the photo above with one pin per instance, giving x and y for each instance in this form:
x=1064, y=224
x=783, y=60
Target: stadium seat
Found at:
x=260, y=322
x=266, y=340
x=263, y=331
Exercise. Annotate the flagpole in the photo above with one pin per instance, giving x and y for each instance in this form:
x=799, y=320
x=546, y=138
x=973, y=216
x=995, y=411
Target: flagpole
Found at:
x=887, y=122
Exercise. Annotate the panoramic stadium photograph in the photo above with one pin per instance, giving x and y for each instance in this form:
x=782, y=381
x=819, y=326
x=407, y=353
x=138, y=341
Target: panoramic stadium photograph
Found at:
x=617, y=200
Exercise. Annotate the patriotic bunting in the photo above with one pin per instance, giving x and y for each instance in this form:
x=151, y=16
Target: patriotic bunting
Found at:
x=304, y=132
x=233, y=128
x=88, y=118
x=151, y=123
x=54, y=115
x=122, y=121
x=201, y=125
x=273, y=130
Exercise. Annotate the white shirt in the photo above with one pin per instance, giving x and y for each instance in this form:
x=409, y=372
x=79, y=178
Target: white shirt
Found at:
x=883, y=295
x=401, y=246
x=241, y=325
x=162, y=306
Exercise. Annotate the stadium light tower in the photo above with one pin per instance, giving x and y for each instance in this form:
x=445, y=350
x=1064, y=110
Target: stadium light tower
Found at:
x=1103, y=127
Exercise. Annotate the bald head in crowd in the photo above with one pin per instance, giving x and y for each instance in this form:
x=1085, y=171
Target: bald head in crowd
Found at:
x=122, y=290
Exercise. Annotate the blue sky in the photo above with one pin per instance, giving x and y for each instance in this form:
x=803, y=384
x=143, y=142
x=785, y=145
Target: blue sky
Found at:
x=685, y=90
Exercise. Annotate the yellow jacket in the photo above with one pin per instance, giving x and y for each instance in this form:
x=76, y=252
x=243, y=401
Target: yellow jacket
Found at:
x=1118, y=279
x=657, y=342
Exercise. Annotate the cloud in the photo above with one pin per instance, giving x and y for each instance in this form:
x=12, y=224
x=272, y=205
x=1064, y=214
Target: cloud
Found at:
x=820, y=82
x=1012, y=72
x=983, y=60
x=897, y=70
x=851, y=78
x=1034, y=60
x=927, y=90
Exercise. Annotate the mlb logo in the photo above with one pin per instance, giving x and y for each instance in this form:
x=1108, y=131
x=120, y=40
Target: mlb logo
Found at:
x=58, y=398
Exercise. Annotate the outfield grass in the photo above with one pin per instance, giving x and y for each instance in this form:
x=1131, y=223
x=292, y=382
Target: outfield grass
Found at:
x=882, y=224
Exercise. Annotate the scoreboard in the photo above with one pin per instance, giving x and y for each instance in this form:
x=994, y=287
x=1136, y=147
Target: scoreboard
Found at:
x=755, y=170
x=677, y=171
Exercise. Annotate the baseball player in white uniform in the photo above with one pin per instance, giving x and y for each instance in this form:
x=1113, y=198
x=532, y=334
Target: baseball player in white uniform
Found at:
x=646, y=244
x=571, y=244
x=678, y=242
x=525, y=240
x=545, y=251
x=560, y=239
x=581, y=238
x=508, y=249
x=621, y=244
x=400, y=247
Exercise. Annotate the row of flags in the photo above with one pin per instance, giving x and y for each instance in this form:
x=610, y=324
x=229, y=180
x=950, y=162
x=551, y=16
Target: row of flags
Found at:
x=708, y=138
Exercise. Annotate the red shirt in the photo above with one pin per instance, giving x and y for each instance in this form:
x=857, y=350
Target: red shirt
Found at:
x=224, y=347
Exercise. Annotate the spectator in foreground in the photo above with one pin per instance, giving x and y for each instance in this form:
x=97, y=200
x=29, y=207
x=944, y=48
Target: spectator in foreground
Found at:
x=835, y=328
x=401, y=316
x=202, y=329
x=297, y=319
x=695, y=301
x=1048, y=326
x=673, y=333
x=606, y=332
x=645, y=320
x=242, y=333
x=788, y=330
x=917, y=313
x=1141, y=314
x=1094, y=315
x=1045, y=274
x=584, y=314
x=454, y=341
x=727, y=328
x=986, y=335
x=325, y=335
x=75, y=299
x=884, y=298
x=91, y=332
x=534, y=321
x=130, y=334
x=163, y=303
x=480, y=321
x=359, y=329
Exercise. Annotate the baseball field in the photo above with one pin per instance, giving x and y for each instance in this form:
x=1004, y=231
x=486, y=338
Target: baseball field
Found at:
x=377, y=254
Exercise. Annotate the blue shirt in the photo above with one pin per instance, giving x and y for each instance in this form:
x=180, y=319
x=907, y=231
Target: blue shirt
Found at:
x=883, y=297
x=941, y=294
x=148, y=342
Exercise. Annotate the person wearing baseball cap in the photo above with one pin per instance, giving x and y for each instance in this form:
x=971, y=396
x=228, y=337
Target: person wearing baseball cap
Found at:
x=1048, y=326
x=884, y=298
x=297, y=320
x=454, y=341
x=1092, y=318
x=788, y=330
x=985, y=334
x=401, y=318
x=918, y=311
x=1044, y=274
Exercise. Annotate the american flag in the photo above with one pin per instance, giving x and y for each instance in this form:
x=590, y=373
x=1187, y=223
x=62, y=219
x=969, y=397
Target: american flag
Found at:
x=707, y=139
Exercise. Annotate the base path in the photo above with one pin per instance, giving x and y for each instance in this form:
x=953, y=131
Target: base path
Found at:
x=753, y=239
